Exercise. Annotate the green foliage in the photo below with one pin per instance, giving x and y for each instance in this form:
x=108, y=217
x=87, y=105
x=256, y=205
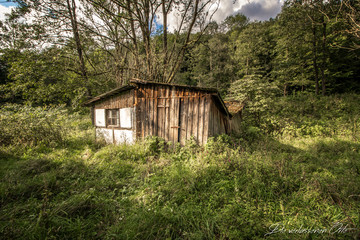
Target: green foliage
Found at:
x=231, y=188
x=23, y=125
x=253, y=52
x=236, y=23
x=320, y=117
x=256, y=92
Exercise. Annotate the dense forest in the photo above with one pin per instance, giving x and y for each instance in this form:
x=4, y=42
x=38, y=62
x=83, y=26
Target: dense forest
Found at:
x=292, y=171
x=66, y=51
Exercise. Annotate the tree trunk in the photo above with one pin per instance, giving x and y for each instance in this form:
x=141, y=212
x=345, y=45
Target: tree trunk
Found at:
x=316, y=69
x=74, y=25
x=165, y=50
x=133, y=38
x=181, y=54
x=323, y=65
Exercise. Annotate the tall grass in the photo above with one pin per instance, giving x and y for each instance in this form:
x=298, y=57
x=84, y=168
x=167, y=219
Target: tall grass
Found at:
x=232, y=188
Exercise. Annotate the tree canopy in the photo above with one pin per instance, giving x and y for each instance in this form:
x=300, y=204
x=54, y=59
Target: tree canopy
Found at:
x=65, y=51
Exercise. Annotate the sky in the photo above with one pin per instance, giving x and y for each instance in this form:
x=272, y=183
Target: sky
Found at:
x=5, y=7
x=253, y=9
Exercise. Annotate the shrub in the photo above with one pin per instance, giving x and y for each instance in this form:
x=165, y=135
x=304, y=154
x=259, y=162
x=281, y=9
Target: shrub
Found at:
x=25, y=125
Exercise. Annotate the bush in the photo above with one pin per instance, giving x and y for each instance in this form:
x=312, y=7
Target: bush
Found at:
x=308, y=115
x=230, y=188
x=25, y=125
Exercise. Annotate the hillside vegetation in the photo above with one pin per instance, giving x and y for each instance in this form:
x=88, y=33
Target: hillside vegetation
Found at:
x=296, y=165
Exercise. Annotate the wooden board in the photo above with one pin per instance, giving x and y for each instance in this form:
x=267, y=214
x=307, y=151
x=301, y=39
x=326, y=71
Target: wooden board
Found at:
x=206, y=119
x=190, y=117
x=201, y=120
x=176, y=121
x=167, y=114
x=195, y=118
x=123, y=100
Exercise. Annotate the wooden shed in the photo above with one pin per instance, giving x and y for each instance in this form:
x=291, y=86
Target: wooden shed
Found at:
x=173, y=112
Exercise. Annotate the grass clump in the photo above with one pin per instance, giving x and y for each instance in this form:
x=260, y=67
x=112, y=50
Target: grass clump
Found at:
x=24, y=125
x=231, y=188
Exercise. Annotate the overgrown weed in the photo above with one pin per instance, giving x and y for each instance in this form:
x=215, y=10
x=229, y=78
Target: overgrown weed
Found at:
x=234, y=187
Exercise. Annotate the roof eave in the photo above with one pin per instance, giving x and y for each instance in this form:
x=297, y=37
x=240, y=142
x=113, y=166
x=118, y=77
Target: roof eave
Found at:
x=108, y=94
x=139, y=81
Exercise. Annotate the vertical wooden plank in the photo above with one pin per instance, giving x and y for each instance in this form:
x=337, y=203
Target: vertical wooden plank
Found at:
x=146, y=112
x=210, y=118
x=151, y=109
x=138, y=114
x=220, y=126
x=221, y=123
x=184, y=116
x=155, y=110
x=181, y=118
x=177, y=120
x=143, y=112
x=172, y=116
x=176, y=117
x=228, y=125
x=146, y=120
x=201, y=119
x=190, y=115
x=206, y=118
x=161, y=112
x=195, y=119
x=164, y=117
x=140, y=100
x=215, y=119
x=134, y=117
x=218, y=120
x=167, y=103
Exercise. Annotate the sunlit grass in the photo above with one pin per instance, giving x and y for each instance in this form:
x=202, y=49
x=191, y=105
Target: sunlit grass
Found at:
x=232, y=188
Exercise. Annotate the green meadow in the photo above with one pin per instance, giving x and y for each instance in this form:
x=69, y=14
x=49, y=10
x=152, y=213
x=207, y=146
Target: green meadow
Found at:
x=294, y=173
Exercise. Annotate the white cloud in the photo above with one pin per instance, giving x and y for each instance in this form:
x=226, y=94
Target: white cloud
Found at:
x=253, y=9
x=261, y=9
x=227, y=8
x=3, y=11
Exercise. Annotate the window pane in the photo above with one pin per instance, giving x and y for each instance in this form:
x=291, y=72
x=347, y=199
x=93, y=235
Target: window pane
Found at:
x=113, y=117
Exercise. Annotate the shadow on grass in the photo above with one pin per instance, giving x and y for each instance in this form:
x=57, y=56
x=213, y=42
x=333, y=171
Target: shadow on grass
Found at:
x=230, y=194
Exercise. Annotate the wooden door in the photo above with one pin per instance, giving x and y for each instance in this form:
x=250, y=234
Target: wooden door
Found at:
x=168, y=116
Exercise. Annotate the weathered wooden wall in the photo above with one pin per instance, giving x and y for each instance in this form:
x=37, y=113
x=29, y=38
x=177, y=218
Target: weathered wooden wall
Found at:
x=171, y=112
x=117, y=134
x=218, y=121
x=175, y=113
x=235, y=123
x=121, y=100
